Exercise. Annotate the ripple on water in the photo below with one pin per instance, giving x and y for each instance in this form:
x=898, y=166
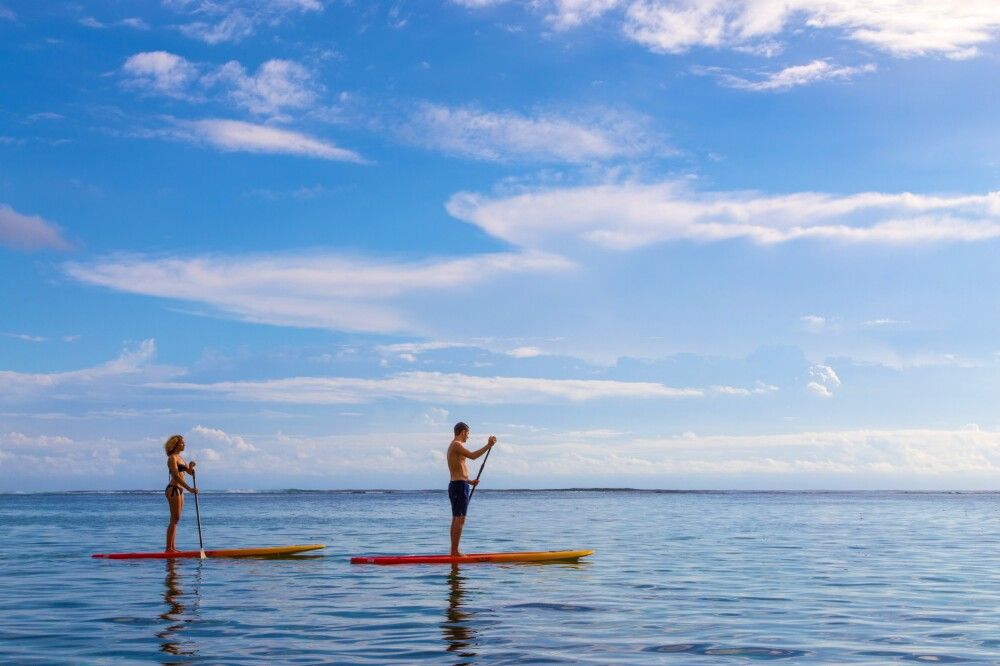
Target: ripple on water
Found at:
x=753, y=652
x=914, y=656
x=540, y=605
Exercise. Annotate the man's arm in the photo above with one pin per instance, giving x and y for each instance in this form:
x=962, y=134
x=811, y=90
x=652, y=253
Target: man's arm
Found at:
x=478, y=452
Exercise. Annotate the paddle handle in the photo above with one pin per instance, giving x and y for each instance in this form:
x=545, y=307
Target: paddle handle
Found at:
x=197, y=513
x=481, y=467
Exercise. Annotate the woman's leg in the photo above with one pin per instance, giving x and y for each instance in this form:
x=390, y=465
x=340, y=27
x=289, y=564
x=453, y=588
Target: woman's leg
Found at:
x=176, y=503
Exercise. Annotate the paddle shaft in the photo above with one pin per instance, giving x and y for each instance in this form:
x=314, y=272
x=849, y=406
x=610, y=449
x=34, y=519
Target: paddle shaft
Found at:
x=481, y=467
x=197, y=513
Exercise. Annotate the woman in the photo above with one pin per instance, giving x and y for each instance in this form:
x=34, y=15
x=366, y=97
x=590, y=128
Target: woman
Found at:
x=176, y=487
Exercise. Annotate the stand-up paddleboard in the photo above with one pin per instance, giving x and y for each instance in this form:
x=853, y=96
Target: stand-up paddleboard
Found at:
x=543, y=556
x=273, y=551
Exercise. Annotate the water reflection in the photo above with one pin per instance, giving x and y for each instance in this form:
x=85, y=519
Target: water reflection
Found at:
x=176, y=614
x=457, y=628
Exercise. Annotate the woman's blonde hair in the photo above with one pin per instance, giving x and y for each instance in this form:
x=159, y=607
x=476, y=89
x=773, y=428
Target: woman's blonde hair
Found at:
x=172, y=443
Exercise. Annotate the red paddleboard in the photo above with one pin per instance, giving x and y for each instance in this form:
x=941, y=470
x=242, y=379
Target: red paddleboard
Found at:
x=237, y=552
x=542, y=556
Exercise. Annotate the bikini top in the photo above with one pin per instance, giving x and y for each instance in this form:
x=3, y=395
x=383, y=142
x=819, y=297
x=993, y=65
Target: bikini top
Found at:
x=181, y=468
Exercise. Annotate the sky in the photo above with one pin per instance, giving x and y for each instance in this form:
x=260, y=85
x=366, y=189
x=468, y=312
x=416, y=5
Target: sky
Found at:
x=692, y=244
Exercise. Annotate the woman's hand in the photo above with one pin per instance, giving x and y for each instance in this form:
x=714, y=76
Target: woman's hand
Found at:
x=191, y=465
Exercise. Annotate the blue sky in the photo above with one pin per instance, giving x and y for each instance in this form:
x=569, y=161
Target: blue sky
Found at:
x=648, y=243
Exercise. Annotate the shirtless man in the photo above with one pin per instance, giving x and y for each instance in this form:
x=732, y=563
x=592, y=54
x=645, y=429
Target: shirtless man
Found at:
x=460, y=487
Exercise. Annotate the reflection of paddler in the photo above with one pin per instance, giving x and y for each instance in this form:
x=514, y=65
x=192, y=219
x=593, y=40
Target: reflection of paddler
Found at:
x=174, y=598
x=457, y=631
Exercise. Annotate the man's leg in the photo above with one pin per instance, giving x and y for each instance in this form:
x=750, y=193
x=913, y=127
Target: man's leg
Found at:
x=457, y=523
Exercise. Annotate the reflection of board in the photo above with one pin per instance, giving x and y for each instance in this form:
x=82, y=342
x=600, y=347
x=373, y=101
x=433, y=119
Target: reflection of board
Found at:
x=236, y=552
x=543, y=556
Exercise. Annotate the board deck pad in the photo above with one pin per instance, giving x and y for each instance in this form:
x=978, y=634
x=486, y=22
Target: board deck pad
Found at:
x=272, y=551
x=475, y=558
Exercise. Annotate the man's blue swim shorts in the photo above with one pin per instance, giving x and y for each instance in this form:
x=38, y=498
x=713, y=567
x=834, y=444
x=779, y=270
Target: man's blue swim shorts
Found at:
x=458, y=493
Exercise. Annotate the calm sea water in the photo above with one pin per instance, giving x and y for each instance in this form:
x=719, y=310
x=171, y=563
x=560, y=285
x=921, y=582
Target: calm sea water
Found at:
x=676, y=578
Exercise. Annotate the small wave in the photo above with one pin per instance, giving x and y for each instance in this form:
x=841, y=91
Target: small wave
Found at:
x=755, y=652
x=556, y=607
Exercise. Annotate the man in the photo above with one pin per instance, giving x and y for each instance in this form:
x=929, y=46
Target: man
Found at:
x=460, y=487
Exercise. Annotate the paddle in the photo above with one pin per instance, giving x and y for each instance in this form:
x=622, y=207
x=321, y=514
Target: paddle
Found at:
x=473, y=492
x=197, y=513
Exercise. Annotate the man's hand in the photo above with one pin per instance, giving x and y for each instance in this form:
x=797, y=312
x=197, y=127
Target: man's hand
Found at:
x=194, y=490
x=473, y=482
x=492, y=440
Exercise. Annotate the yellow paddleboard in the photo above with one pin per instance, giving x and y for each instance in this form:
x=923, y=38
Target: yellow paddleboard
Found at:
x=272, y=551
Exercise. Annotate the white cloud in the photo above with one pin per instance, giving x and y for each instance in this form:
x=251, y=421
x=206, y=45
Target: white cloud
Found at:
x=813, y=323
x=320, y=290
x=25, y=337
x=566, y=14
x=525, y=352
x=50, y=456
x=901, y=454
x=623, y=216
x=19, y=440
x=235, y=441
x=903, y=28
x=791, y=77
x=29, y=232
x=161, y=72
x=436, y=416
x=132, y=22
x=231, y=28
x=131, y=364
x=239, y=136
x=819, y=389
x=508, y=136
x=825, y=380
x=884, y=322
x=219, y=21
x=759, y=388
x=840, y=458
x=211, y=455
x=408, y=351
x=44, y=115
x=277, y=85
x=6, y=14
x=436, y=387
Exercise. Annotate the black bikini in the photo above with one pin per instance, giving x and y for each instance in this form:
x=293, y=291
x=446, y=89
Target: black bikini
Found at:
x=172, y=489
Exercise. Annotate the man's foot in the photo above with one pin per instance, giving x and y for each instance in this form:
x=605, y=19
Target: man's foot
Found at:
x=171, y=550
x=457, y=554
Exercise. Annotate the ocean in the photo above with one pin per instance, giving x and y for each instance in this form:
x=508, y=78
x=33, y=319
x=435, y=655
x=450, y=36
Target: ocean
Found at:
x=676, y=577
